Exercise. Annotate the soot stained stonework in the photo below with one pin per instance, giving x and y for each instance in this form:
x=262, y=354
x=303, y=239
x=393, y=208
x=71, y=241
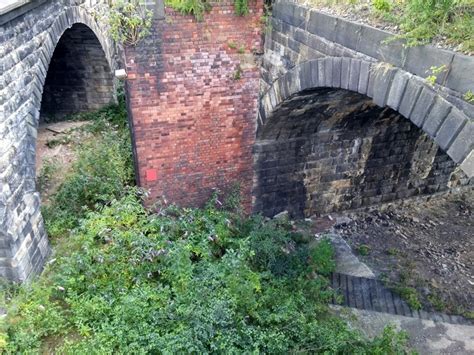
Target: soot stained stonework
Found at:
x=79, y=78
x=326, y=150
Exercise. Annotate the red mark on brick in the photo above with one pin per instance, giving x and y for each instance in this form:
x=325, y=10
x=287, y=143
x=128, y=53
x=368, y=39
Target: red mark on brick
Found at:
x=151, y=175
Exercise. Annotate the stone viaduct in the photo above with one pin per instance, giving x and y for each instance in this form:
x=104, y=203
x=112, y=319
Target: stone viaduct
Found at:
x=320, y=115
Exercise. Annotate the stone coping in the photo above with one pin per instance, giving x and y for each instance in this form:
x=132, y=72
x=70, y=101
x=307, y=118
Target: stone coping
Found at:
x=15, y=8
x=381, y=45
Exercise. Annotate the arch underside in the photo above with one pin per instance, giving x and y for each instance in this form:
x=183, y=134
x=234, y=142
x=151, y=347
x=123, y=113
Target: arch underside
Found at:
x=326, y=149
x=79, y=78
x=340, y=133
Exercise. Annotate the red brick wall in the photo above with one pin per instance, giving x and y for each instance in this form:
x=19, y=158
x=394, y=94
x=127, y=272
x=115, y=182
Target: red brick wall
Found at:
x=194, y=123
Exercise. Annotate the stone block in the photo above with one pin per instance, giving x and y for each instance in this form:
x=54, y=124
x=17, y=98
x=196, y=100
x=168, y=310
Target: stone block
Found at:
x=463, y=144
x=372, y=43
x=336, y=72
x=468, y=165
x=364, y=77
x=328, y=65
x=322, y=25
x=422, y=106
x=450, y=128
x=421, y=58
x=354, y=75
x=305, y=76
x=397, y=89
x=439, y=111
x=409, y=98
x=347, y=33
x=461, y=74
x=382, y=80
x=345, y=73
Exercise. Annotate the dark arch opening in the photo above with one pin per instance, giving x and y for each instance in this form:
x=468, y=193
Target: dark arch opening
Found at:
x=79, y=78
x=325, y=150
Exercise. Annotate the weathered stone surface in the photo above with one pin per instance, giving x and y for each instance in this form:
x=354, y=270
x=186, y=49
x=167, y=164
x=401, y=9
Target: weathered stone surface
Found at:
x=421, y=58
x=409, y=98
x=468, y=164
x=348, y=33
x=461, y=73
x=322, y=25
x=450, y=128
x=436, y=117
x=463, y=143
x=397, y=89
x=372, y=42
x=29, y=38
x=422, y=106
x=313, y=160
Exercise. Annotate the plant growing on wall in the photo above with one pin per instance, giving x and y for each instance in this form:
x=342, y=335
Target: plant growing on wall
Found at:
x=129, y=21
x=199, y=7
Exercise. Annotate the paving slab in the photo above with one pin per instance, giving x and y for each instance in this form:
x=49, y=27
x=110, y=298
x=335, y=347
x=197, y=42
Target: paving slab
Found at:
x=425, y=336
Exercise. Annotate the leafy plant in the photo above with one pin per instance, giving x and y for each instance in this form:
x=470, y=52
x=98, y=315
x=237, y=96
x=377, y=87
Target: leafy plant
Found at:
x=363, y=249
x=186, y=280
x=423, y=20
x=129, y=21
x=199, y=7
x=409, y=294
x=241, y=7
x=48, y=169
x=237, y=75
x=434, y=72
x=103, y=168
x=469, y=96
x=381, y=5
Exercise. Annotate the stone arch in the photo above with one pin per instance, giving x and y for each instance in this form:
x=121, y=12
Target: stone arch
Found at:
x=388, y=86
x=23, y=241
x=333, y=134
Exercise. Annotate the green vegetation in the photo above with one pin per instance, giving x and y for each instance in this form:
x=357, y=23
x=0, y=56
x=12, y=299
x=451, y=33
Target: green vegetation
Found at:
x=183, y=280
x=46, y=174
x=103, y=168
x=409, y=294
x=434, y=72
x=363, y=249
x=469, y=96
x=420, y=21
x=237, y=75
x=423, y=20
x=198, y=8
x=129, y=21
x=381, y=5
x=125, y=280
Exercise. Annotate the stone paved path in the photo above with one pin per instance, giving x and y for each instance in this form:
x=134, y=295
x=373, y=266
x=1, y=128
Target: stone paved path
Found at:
x=371, y=294
x=374, y=307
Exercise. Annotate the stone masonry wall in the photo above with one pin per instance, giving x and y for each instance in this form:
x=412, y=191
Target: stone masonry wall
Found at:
x=326, y=150
x=192, y=90
x=308, y=49
x=27, y=43
x=79, y=78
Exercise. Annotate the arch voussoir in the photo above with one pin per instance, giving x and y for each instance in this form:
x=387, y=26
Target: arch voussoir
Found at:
x=388, y=86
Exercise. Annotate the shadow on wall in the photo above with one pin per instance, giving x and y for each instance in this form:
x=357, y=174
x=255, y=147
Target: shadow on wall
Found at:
x=79, y=78
x=327, y=150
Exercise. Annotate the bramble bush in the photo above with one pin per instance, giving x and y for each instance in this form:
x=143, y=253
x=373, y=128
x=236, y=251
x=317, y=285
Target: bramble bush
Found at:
x=128, y=281
x=185, y=280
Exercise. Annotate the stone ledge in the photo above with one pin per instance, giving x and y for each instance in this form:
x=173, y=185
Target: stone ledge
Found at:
x=17, y=9
x=373, y=42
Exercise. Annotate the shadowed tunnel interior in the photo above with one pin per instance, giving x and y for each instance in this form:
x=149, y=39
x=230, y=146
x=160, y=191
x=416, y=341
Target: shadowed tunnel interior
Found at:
x=326, y=150
x=79, y=78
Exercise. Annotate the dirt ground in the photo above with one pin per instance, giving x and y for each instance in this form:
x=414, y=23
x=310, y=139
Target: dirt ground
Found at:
x=55, y=153
x=423, y=248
